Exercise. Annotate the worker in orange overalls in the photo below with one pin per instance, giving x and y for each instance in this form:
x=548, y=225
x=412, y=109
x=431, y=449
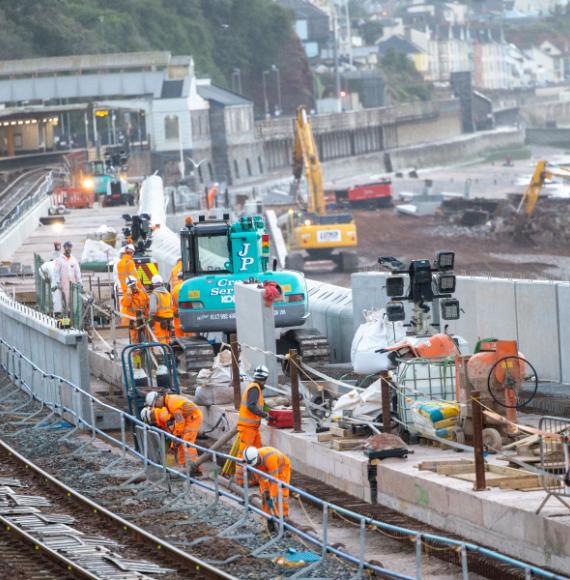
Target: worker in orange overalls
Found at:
x=134, y=304
x=158, y=417
x=160, y=310
x=186, y=416
x=178, y=331
x=277, y=464
x=175, y=274
x=126, y=267
x=250, y=414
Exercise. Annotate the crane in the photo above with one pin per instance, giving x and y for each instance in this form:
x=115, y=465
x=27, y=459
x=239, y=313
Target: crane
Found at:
x=310, y=230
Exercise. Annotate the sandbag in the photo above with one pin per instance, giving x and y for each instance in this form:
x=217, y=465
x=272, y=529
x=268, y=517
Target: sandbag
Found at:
x=376, y=333
x=208, y=395
x=98, y=251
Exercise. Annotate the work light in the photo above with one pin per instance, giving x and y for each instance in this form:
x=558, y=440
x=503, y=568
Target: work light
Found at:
x=395, y=311
x=445, y=260
x=395, y=286
x=449, y=308
x=445, y=283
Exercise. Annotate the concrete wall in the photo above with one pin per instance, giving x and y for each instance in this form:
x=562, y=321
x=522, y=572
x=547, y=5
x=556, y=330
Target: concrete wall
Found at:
x=55, y=351
x=538, y=115
x=550, y=137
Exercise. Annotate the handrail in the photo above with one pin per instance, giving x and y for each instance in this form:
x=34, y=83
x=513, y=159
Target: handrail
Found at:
x=11, y=360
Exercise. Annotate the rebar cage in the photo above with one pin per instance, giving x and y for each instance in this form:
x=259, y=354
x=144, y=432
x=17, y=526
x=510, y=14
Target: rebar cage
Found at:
x=423, y=379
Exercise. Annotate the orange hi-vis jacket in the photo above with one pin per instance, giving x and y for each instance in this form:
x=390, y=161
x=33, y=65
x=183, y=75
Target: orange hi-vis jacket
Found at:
x=181, y=409
x=278, y=465
x=133, y=303
x=126, y=267
x=174, y=274
x=247, y=420
x=162, y=418
x=272, y=461
x=163, y=306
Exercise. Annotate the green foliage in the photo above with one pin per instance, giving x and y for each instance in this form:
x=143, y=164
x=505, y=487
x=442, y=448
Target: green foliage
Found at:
x=404, y=81
x=371, y=31
x=220, y=34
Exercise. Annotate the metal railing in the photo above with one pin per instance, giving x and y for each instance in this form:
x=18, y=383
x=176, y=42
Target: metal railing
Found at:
x=51, y=390
x=555, y=459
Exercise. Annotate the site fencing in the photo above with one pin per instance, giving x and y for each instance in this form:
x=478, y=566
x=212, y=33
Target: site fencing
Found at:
x=50, y=390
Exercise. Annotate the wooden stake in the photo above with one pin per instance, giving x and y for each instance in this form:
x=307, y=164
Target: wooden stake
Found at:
x=386, y=415
x=480, y=482
x=295, y=403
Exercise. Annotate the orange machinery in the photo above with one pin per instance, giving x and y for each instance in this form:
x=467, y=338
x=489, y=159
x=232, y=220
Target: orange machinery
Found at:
x=72, y=197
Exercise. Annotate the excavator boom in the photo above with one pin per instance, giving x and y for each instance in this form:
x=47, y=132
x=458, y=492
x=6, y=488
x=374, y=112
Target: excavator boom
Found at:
x=540, y=175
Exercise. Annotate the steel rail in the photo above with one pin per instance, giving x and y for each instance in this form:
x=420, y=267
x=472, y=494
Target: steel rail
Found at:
x=182, y=558
x=71, y=567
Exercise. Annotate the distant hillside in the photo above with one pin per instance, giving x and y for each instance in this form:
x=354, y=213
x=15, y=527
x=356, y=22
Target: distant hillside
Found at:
x=221, y=35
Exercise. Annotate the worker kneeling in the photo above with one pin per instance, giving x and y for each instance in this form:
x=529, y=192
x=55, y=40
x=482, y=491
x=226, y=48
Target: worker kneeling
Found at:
x=276, y=464
x=185, y=423
x=160, y=310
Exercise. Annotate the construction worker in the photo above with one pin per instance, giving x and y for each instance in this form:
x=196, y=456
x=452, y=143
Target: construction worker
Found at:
x=56, y=251
x=178, y=332
x=126, y=267
x=175, y=274
x=274, y=463
x=186, y=417
x=158, y=417
x=134, y=304
x=66, y=271
x=250, y=414
x=160, y=311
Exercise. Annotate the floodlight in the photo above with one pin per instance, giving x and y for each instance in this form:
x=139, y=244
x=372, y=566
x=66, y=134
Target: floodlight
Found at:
x=395, y=286
x=445, y=283
x=395, y=311
x=449, y=309
x=445, y=260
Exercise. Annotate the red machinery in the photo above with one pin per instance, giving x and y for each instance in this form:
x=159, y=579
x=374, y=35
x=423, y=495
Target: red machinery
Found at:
x=377, y=194
x=72, y=197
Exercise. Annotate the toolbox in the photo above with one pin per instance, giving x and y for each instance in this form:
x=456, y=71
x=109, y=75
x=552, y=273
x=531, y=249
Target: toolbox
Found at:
x=281, y=418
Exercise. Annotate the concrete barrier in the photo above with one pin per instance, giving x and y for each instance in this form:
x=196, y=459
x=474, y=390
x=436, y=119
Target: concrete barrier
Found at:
x=56, y=351
x=563, y=301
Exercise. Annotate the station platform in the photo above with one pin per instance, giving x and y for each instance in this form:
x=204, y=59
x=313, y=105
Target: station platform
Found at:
x=500, y=519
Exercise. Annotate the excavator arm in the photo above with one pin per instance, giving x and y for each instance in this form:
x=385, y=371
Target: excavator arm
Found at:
x=540, y=175
x=306, y=157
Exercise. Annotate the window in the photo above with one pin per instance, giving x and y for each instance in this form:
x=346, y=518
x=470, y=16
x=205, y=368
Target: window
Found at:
x=200, y=176
x=260, y=163
x=248, y=165
x=236, y=169
x=171, y=129
x=210, y=171
x=213, y=253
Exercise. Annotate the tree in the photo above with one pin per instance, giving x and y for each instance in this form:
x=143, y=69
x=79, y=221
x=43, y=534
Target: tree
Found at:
x=371, y=31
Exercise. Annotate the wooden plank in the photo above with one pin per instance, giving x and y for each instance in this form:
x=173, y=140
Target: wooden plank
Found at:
x=338, y=432
x=505, y=470
x=324, y=437
x=455, y=469
x=433, y=465
x=519, y=482
x=347, y=444
x=524, y=441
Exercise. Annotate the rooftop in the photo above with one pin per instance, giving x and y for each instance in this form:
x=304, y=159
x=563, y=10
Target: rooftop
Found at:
x=221, y=96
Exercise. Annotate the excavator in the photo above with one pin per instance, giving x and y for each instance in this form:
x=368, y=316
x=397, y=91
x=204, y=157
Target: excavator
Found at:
x=309, y=230
x=523, y=221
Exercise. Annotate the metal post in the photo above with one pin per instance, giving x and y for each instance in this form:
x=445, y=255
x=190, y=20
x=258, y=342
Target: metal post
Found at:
x=123, y=435
x=325, y=529
x=464, y=567
x=278, y=81
x=480, y=483
x=234, y=345
x=418, y=556
x=386, y=415
x=295, y=403
x=362, y=546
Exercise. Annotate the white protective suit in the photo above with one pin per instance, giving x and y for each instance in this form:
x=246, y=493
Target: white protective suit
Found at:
x=47, y=271
x=66, y=271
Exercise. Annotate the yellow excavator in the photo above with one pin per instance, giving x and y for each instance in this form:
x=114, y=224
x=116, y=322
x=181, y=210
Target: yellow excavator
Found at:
x=312, y=233
x=523, y=218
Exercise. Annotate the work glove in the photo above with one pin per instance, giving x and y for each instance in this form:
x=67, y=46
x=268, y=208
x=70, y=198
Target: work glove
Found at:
x=267, y=499
x=265, y=415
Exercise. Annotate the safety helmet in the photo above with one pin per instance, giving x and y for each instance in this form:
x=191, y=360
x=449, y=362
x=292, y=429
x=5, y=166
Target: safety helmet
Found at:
x=261, y=373
x=146, y=415
x=251, y=455
x=180, y=275
x=68, y=245
x=157, y=280
x=131, y=281
x=130, y=248
x=150, y=398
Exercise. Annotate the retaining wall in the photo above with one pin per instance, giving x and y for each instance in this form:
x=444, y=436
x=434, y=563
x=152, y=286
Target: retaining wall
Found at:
x=56, y=351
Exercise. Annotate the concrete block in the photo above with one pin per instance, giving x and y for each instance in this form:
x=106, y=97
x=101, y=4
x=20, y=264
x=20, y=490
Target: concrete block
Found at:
x=255, y=324
x=537, y=326
x=513, y=523
x=563, y=303
x=368, y=293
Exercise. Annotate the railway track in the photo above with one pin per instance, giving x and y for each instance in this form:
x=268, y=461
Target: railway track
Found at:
x=80, y=537
x=19, y=189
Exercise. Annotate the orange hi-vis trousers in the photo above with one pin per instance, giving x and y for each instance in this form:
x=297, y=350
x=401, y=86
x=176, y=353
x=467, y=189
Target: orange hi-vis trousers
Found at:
x=248, y=437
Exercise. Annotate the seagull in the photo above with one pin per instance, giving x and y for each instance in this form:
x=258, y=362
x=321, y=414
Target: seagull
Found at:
x=194, y=164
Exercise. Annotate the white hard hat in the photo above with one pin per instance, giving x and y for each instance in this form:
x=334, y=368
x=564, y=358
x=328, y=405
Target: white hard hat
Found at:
x=146, y=415
x=261, y=373
x=131, y=281
x=157, y=279
x=150, y=398
x=251, y=455
x=129, y=248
